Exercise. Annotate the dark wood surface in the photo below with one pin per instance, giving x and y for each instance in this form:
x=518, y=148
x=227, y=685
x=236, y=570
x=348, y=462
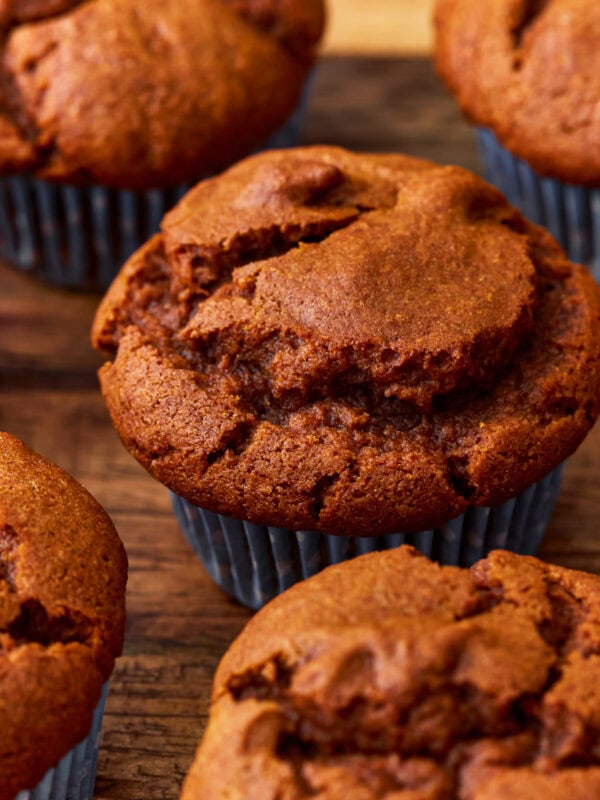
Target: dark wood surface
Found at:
x=179, y=623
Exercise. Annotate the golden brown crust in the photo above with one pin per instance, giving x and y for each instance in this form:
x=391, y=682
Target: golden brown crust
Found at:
x=62, y=613
x=348, y=343
x=528, y=70
x=144, y=93
x=391, y=677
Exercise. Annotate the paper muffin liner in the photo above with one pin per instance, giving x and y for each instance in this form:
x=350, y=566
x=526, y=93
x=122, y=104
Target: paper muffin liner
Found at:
x=571, y=213
x=79, y=237
x=253, y=563
x=74, y=777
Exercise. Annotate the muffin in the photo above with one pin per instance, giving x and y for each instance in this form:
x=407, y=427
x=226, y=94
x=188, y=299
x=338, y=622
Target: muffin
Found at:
x=62, y=617
x=393, y=677
x=109, y=107
x=363, y=346
x=527, y=74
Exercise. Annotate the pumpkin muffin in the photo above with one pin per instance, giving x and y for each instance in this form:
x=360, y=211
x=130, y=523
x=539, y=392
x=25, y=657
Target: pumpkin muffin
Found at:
x=359, y=345
x=392, y=677
x=62, y=617
x=526, y=72
x=133, y=95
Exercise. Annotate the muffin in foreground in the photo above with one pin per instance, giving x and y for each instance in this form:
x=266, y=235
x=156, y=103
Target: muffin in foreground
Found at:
x=392, y=677
x=62, y=617
x=109, y=108
x=360, y=345
x=526, y=72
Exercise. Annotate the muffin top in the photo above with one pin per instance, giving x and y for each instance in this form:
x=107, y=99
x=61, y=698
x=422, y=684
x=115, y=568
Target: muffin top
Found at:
x=62, y=613
x=144, y=93
x=528, y=69
x=349, y=343
x=389, y=676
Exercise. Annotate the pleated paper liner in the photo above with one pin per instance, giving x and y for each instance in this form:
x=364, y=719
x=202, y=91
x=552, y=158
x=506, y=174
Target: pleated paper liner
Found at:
x=253, y=563
x=74, y=777
x=571, y=213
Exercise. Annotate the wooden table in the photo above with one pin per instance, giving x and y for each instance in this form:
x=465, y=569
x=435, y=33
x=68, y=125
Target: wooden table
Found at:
x=179, y=623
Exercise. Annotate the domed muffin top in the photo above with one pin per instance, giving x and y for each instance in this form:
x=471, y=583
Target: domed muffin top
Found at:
x=62, y=613
x=389, y=676
x=350, y=343
x=528, y=69
x=145, y=93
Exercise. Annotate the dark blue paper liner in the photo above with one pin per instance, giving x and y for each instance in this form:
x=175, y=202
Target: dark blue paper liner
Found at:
x=253, y=563
x=74, y=777
x=80, y=237
x=571, y=213
x=76, y=237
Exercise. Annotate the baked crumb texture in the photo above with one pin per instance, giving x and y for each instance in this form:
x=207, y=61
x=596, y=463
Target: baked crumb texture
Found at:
x=392, y=677
x=62, y=613
x=528, y=70
x=139, y=94
x=349, y=343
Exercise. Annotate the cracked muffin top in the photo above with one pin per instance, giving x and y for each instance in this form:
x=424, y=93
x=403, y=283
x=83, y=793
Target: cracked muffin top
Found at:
x=147, y=93
x=528, y=69
x=355, y=344
x=391, y=677
x=62, y=613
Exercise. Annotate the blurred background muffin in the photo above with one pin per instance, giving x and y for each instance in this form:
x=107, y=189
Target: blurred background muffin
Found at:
x=527, y=73
x=107, y=107
x=321, y=342
x=62, y=619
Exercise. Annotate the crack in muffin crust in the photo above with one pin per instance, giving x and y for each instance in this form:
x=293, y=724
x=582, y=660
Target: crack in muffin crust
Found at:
x=8, y=552
x=530, y=11
x=314, y=328
x=25, y=620
x=400, y=676
x=34, y=625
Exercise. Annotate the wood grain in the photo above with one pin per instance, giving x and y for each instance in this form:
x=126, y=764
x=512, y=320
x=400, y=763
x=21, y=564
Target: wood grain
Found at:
x=179, y=622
